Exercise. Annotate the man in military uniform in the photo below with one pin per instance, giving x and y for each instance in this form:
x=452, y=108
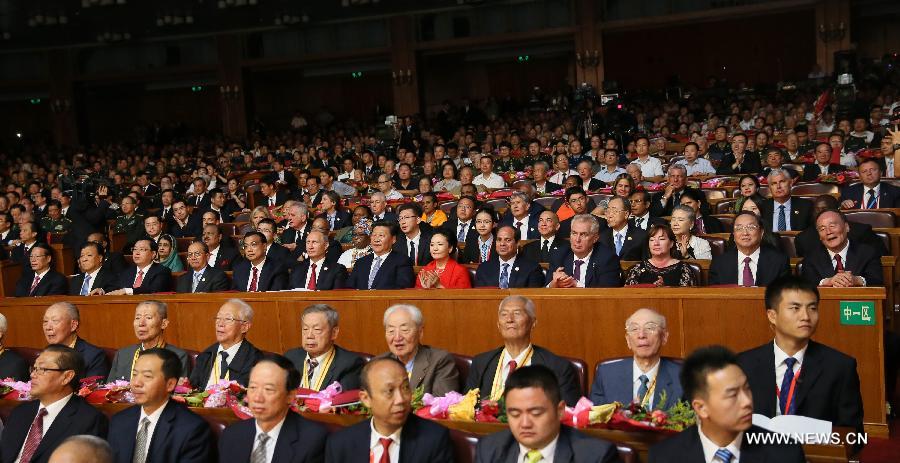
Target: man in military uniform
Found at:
x=129, y=222
x=54, y=221
x=505, y=163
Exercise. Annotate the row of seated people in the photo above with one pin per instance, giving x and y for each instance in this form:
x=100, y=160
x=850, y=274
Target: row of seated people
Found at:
x=767, y=377
x=590, y=258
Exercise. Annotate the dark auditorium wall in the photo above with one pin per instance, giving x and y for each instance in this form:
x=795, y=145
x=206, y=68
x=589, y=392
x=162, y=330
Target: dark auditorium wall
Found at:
x=647, y=57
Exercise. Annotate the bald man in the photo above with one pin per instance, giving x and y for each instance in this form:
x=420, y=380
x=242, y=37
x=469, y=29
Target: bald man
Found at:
x=82, y=449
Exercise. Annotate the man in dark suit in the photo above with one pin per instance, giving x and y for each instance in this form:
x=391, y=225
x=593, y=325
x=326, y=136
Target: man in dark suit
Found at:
x=378, y=205
x=222, y=253
x=748, y=263
x=319, y=359
x=61, y=321
x=232, y=356
x=272, y=384
x=625, y=240
x=782, y=211
x=94, y=275
x=28, y=237
x=256, y=273
x=332, y=212
x=200, y=199
x=40, y=279
x=578, y=202
x=413, y=241
x=151, y=318
x=200, y=277
x=316, y=272
x=738, y=160
x=272, y=196
x=384, y=268
x=547, y=243
x=223, y=210
x=158, y=429
x=587, y=181
x=490, y=370
x=586, y=264
x=822, y=164
x=274, y=251
x=523, y=214
x=145, y=276
x=871, y=193
x=718, y=391
x=294, y=236
x=7, y=233
x=703, y=222
x=676, y=185
x=461, y=221
x=420, y=440
x=841, y=262
x=54, y=381
x=807, y=241
x=534, y=388
x=505, y=269
x=794, y=375
x=183, y=224
x=646, y=376
x=640, y=211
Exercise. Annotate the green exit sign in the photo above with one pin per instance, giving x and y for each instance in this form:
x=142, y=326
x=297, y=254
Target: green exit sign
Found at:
x=858, y=312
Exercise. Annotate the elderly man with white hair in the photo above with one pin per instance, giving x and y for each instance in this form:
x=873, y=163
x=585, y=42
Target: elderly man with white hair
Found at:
x=646, y=376
x=783, y=212
x=428, y=367
x=151, y=318
x=516, y=319
x=12, y=365
x=232, y=356
x=60, y=325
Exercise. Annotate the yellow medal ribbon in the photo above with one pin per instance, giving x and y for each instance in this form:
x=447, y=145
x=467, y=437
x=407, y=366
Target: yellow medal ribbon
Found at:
x=137, y=353
x=499, y=381
x=645, y=401
x=326, y=364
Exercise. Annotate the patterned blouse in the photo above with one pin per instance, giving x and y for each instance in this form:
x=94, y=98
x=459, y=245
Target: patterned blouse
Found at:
x=677, y=274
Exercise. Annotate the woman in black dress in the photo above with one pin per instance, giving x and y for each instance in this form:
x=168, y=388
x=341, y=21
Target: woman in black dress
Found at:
x=660, y=269
x=12, y=365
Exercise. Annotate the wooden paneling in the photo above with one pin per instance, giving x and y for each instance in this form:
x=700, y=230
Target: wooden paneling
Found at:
x=587, y=324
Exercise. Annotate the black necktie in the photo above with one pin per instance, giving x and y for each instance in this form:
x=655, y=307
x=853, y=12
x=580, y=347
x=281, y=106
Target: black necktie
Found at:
x=545, y=251
x=223, y=365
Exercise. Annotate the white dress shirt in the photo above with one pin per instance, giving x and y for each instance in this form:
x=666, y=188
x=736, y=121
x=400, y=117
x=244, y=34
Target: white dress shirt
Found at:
x=509, y=270
x=754, y=264
x=416, y=242
x=650, y=167
x=468, y=226
x=52, y=412
x=273, y=439
x=492, y=181
x=787, y=214
x=645, y=221
x=318, y=263
x=232, y=352
x=710, y=448
x=781, y=369
x=523, y=227
x=547, y=453
x=843, y=254
x=213, y=255
x=636, y=381
x=889, y=167
x=259, y=268
x=584, y=267
x=699, y=166
x=375, y=447
x=154, y=418
x=560, y=177
x=865, y=196
x=130, y=291
x=607, y=176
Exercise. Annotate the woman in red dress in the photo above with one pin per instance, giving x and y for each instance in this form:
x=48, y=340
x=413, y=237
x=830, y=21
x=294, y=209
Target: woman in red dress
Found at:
x=443, y=271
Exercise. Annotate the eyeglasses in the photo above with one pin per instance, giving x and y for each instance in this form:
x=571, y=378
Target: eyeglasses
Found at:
x=649, y=328
x=746, y=228
x=227, y=320
x=40, y=370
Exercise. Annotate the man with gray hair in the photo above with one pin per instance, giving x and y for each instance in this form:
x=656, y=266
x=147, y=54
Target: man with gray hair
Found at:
x=523, y=215
x=82, y=448
x=378, y=205
x=60, y=325
x=676, y=184
x=587, y=263
x=151, y=318
x=782, y=211
x=428, y=367
x=12, y=365
x=232, y=356
x=626, y=239
x=516, y=319
x=645, y=376
x=320, y=361
x=294, y=235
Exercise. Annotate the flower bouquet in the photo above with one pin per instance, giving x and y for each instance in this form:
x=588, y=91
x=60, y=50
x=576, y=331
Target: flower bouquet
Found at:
x=94, y=391
x=11, y=389
x=585, y=413
x=840, y=178
x=215, y=396
x=328, y=400
x=636, y=417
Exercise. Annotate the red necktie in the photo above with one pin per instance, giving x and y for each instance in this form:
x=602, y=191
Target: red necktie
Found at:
x=35, y=434
x=139, y=280
x=37, y=280
x=512, y=367
x=385, y=444
x=254, y=280
x=838, y=265
x=312, y=278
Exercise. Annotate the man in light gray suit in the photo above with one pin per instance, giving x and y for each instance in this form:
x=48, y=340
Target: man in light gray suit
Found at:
x=150, y=322
x=645, y=376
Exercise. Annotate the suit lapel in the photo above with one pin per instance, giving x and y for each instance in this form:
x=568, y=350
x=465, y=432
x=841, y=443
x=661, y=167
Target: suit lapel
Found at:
x=239, y=359
x=408, y=441
x=765, y=369
x=284, y=446
x=57, y=428
x=810, y=371
x=420, y=366
x=563, y=452
x=160, y=434
x=20, y=433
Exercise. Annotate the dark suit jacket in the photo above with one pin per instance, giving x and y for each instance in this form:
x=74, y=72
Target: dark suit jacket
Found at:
x=772, y=264
x=525, y=273
x=238, y=367
x=532, y=250
x=812, y=171
x=106, y=279
x=532, y=219
x=329, y=276
x=227, y=257
x=711, y=224
x=801, y=213
x=808, y=241
x=387, y=215
x=827, y=388
x=434, y=370
x=423, y=251
x=888, y=195
x=550, y=187
x=280, y=253
x=657, y=209
x=632, y=247
x=12, y=365
x=202, y=205
x=614, y=383
x=193, y=227
x=95, y=361
x=273, y=277
x=19, y=255
x=396, y=272
x=52, y=284
x=123, y=362
x=421, y=440
x=750, y=165
x=213, y=280
x=472, y=253
x=603, y=269
x=290, y=235
x=686, y=447
x=179, y=435
x=345, y=367
x=862, y=260
x=76, y=417
x=299, y=441
x=571, y=447
x=341, y=219
x=484, y=365
x=157, y=280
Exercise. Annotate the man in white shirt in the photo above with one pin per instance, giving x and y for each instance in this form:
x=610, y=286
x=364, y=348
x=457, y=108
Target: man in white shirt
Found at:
x=651, y=168
x=275, y=433
x=387, y=188
x=610, y=169
x=488, y=178
x=153, y=227
x=694, y=164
